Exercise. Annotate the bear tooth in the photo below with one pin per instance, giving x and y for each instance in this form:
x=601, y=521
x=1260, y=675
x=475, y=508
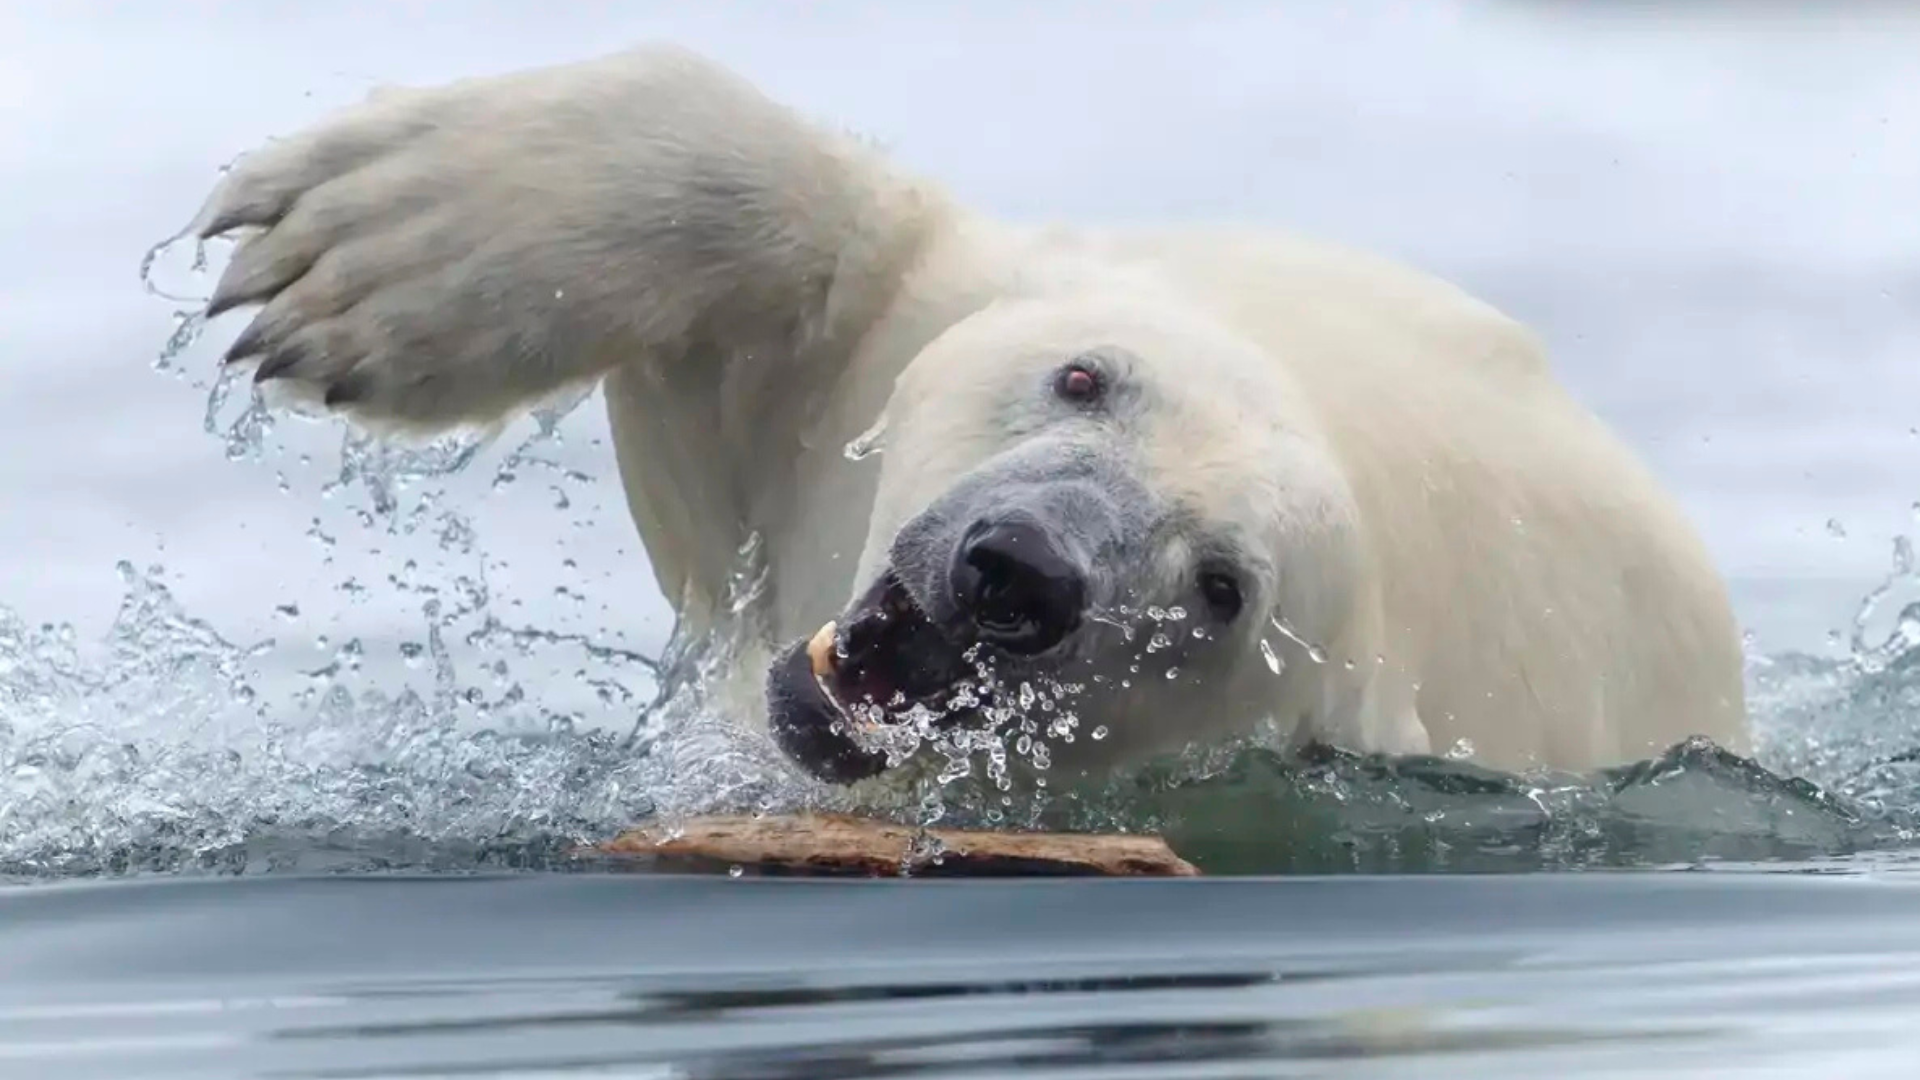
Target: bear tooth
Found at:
x=820, y=650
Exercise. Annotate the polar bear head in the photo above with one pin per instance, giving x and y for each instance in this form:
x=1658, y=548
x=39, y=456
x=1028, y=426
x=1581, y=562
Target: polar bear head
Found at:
x=1092, y=506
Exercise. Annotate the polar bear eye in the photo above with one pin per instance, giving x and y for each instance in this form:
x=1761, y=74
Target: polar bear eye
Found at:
x=1078, y=383
x=1221, y=592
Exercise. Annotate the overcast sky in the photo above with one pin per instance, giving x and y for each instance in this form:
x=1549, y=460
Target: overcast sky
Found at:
x=1713, y=219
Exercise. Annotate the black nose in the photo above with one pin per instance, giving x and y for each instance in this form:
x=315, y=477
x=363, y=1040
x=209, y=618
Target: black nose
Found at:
x=1020, y=591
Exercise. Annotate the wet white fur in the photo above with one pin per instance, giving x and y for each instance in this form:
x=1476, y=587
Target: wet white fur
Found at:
x=1476, y=554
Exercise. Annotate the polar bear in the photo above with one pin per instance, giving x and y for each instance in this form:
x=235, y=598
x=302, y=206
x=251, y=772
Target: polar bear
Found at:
x=1188, y=484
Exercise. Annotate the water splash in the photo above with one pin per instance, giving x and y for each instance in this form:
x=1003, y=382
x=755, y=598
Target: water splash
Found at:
x=164, y=750
x=1899, y=640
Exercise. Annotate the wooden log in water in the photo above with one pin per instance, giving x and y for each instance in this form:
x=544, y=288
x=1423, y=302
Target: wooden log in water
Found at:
x=841, y=845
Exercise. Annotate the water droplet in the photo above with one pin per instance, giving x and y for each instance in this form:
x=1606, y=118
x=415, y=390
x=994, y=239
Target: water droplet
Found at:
x=868, y=442
x=1274, y=663
x=736, y=870
x=1314, y=652
x=1098, y=733
x=1460, y=750
x=1173, y=673
x=1176, y=613
x=1835, y=529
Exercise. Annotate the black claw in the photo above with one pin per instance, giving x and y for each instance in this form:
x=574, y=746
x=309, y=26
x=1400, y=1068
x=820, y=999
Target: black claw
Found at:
x=224, y=302
x=251, y=340
x=345, y=392
x=278, y=364
x=237, y=217
x=215, y=226
x=230, y=217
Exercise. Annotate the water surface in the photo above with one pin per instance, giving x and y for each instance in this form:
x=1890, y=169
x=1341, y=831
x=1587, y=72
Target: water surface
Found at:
x=1707, y=974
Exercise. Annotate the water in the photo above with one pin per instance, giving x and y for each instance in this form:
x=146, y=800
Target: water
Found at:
x=1712, y=974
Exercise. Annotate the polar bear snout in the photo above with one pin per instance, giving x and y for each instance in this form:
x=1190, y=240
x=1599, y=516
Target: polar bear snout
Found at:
x=827, y=695
x=1017, y=586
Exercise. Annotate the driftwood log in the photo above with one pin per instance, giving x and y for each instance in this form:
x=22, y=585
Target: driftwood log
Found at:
x=841, y=845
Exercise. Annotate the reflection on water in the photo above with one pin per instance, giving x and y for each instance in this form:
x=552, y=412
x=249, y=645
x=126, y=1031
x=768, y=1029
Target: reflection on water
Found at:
x=1024, y=1028
x=1712, y=974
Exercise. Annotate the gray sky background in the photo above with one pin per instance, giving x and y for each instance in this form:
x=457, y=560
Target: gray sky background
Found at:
x=1712, y=218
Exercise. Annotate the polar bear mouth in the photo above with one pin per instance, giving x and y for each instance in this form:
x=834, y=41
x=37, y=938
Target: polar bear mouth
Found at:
x=882, y=657
x=886, y=653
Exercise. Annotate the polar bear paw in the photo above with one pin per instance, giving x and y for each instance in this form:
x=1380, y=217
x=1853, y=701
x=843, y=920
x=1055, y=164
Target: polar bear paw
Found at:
x=437, y=256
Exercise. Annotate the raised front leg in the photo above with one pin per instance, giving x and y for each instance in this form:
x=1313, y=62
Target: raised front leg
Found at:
x=447, y=255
